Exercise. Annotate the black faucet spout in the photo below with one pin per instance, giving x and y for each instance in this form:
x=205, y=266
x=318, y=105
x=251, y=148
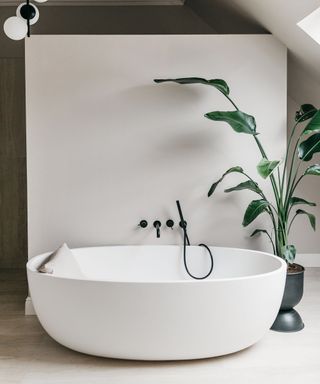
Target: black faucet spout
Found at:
x=157, y=225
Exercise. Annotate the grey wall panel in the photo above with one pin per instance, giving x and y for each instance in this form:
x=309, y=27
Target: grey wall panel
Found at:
x=13, y=196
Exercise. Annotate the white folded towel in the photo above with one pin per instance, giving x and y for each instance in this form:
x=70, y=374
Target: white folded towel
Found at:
x=61, y=262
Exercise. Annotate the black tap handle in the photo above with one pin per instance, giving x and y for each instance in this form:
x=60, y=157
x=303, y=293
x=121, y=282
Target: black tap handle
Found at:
x=143, y=224
x=183, y=224
x=170, y=223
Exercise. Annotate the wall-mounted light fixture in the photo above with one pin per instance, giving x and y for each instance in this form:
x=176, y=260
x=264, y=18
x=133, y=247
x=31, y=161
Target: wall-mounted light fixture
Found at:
x=18, y=27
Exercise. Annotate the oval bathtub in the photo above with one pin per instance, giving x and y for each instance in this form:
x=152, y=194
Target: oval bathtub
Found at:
x=137, y=302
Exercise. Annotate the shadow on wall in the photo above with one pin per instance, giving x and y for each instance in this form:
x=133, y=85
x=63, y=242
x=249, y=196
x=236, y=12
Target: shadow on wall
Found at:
x=191, y=139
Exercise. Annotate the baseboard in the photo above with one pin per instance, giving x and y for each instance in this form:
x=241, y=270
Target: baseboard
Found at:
x=306, y=259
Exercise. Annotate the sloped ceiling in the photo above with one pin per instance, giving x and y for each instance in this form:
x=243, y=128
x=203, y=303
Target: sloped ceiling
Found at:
x=280, y=18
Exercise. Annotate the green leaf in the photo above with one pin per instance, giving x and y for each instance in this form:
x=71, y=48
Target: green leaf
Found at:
x=313, y=170
x=230, y=170
x=251, y=185
x=306, y=112
x=219, y=84
x=313, y=125
x=255, y=208
x=266, y=167
x=311, y=217
x=257, y=231
x=298, y=200
x=288, y=253
x=309, y=147
x=239, y=121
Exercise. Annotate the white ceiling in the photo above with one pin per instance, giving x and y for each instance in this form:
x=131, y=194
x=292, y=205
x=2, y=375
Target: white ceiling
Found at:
x=100, y=2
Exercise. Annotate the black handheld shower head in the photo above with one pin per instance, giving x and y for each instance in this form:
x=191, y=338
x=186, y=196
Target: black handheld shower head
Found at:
x=183, y=223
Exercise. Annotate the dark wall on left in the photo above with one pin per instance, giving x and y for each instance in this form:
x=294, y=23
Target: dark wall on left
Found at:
x=13, y=209
x=13, y=189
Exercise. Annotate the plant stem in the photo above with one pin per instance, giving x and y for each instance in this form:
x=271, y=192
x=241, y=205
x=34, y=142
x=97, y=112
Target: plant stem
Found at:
x=287, y=151
x=231, y=101
x=292, y=222
x=273, y=246
x=280, y=227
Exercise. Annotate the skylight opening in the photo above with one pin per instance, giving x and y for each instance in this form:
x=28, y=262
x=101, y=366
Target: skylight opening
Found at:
x=311, y=25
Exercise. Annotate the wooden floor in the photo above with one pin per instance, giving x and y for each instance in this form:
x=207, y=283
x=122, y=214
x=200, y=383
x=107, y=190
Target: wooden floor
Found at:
x=29, y=356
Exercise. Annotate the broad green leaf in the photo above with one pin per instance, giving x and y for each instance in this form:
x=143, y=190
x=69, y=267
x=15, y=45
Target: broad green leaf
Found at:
x=289, y=253
x=266, y=167
x=219, y=84
x=255, y=208
x=257, y=231
x=311, y=217
x=251, y=185
x=297, y=200
x=313, y=125
x=313, y=170
x=309, y=147
x=306, y=112
x=230, y=170
x=239, y=121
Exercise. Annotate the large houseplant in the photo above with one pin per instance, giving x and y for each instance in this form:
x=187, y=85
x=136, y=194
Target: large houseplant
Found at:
x=285, y=176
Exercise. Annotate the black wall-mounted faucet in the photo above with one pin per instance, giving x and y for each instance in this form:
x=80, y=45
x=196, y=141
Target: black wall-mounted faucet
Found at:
x=157, y=225
x=170, y=223
x=183, y=223
x=143, y=224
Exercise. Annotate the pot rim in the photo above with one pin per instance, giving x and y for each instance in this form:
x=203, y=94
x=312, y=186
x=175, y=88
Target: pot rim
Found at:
x=296, y=272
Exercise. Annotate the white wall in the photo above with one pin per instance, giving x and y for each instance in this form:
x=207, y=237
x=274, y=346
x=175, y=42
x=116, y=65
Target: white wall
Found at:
x=106, y=147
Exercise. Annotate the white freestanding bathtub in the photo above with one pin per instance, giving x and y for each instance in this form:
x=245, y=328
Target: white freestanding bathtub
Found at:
x=137, y=302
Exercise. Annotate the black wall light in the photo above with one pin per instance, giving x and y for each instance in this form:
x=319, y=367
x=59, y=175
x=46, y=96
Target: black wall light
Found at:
x=18, y=27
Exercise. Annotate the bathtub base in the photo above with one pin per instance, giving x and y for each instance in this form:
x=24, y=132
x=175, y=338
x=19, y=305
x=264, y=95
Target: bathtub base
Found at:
x=164, y=356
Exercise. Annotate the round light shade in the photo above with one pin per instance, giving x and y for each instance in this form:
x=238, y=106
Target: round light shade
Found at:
x=36, y=16
x=40, y=1
x=15, y=28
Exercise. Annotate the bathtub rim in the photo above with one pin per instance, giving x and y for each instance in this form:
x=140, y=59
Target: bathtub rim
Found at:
x=32, y=263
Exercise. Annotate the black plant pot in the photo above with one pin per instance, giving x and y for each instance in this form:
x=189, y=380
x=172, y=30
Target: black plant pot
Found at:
x=288, y=319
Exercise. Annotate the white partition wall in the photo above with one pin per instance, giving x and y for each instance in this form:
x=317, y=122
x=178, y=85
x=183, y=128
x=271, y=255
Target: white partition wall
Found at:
x=107, y=147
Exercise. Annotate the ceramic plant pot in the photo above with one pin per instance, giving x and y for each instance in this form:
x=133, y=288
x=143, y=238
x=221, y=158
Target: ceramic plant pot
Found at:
x=288, y=319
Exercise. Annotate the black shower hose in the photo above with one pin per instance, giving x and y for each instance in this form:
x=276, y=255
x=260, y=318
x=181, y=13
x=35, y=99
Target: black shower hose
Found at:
x=185, y=241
